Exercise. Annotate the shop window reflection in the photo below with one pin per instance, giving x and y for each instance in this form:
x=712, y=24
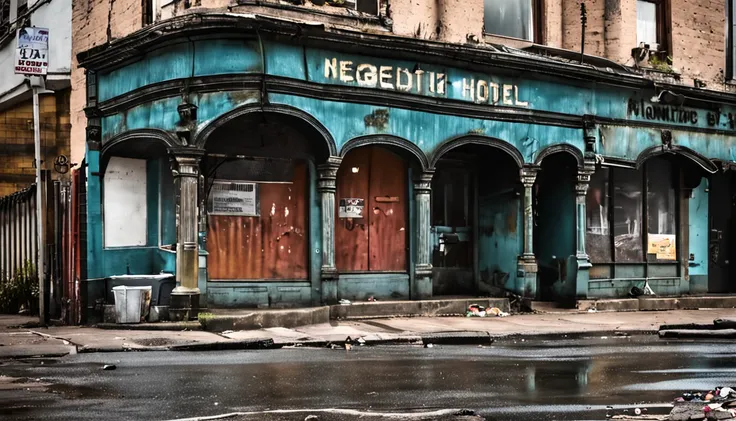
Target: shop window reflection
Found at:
x=627, y=210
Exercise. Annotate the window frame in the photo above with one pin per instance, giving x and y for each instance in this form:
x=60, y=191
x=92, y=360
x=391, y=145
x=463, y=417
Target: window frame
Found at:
x=538, y=24
x=663, y=25
x=645, y=209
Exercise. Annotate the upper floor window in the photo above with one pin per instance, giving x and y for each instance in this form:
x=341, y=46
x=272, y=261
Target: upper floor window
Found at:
x=513, y=18
x=652, y=24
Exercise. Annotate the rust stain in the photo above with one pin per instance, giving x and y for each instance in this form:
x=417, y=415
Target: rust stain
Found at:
x=377, y=119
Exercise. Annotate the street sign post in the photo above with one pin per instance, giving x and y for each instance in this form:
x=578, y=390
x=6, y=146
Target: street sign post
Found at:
x=32, y=59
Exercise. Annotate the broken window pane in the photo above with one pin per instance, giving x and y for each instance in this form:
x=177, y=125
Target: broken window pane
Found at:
x=646, y=23
x=598, y=235
x=627, y=215
x=510, y=18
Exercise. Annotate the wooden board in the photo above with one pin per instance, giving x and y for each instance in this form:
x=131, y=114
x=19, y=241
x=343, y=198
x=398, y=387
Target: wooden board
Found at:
x=272, y=246
x=376, y=242
x=387, y=219
x=351, y=236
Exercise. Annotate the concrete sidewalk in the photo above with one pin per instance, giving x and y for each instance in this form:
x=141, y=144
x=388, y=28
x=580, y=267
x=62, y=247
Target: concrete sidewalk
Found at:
x=21, y=342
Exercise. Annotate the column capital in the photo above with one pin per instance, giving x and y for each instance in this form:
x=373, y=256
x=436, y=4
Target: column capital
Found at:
x=583, y=178
x=528, y=174
x=185, y=161
x=327, y=174
x=423, y=182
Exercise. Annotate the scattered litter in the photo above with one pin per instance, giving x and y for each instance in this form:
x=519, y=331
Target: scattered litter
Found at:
x=592, y=310
x=345, y=302
x=311, y=418
x=429, y=346
x=716, y=404
x=475, y=310
x=65, y=342
x=371, y=299
x=227, y=332
x=109, y=367
x=217, y=403
x=348, y=347
x=372, y=393
x=604, y=337
x=361, y=341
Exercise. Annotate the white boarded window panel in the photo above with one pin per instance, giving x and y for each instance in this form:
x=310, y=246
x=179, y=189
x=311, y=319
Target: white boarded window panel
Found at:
x=125, y=202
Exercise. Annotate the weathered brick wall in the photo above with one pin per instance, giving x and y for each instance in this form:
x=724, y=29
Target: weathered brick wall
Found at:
x=698, y=38
x=95, y=22
x=16, y=140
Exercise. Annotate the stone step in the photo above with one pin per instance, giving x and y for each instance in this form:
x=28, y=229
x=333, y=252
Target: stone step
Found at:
x=657, y=303
x=378, y=309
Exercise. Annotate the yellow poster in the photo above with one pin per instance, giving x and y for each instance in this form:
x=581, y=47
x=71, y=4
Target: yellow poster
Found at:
x=662, y=245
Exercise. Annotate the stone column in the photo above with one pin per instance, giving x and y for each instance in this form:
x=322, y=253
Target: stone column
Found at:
x=422, y=287
x=185, y=297
x=581, y=257
x=327, y=184
x=527, y=264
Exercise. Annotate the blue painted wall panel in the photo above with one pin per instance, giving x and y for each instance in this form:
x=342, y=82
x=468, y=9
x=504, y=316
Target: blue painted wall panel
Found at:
x=698, y=247
x=183, y=60
x=499, y=239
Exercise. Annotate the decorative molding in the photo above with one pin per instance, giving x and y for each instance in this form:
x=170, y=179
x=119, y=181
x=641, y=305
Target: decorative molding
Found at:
x=115, y=53
x=167, y=139
x=200, y=140
x=474, y=139
x=686, y=152
x=327, y=175
x=528, y=175
x=423, y=182
x=560, y=148
x=387, y=140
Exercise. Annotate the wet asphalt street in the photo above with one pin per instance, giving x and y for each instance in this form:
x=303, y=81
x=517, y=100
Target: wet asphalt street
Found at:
x=566, y=379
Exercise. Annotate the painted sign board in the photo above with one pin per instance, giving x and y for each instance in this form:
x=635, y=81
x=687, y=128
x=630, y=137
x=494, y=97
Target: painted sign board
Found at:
x=32, y=54
x=233, y=198
x=351, y=207
x=662, y=245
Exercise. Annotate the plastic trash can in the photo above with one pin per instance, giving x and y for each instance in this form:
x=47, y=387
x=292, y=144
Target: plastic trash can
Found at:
x=131, y=303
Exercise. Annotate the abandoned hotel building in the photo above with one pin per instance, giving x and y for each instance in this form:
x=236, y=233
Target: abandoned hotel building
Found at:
x=274, y=153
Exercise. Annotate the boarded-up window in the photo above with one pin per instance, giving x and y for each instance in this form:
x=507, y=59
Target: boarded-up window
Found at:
x=124, y=203
x=272, y=242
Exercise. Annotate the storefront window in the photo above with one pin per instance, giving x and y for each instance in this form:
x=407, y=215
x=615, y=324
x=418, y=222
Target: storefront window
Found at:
x=627, y=220
x=598, y=240
x=620, y=193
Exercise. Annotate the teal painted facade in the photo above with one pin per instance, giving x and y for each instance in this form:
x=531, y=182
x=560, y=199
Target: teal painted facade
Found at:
x=424, y=110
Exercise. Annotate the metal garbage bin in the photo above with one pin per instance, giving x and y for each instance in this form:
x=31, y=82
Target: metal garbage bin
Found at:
x=131, y=303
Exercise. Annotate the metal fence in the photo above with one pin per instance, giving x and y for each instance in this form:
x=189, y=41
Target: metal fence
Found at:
x=18, y=231
x=19, y=243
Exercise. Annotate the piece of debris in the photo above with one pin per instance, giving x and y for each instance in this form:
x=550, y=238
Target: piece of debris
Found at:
x=345, y=302
x=348, y=346
x=592, y=310
x=371, y=299
x=361, y=341
x=311, y=418
x=109, y=367
x=227, y=332
x=429, y=346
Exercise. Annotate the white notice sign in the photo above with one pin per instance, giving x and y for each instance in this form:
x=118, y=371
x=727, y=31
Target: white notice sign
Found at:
x=233, y=198
x=32, y=54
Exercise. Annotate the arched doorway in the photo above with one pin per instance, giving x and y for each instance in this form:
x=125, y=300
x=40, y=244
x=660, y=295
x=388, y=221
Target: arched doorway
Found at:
x=259, y=198
x=476, y=221
x=555, y=231
x=372, y=224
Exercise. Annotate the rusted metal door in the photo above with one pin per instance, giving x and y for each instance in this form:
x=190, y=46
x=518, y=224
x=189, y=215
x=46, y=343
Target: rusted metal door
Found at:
x=377, y=240
x=272, y=245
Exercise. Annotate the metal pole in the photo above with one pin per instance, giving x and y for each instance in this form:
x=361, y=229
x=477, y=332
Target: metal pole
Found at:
x=39, y=210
